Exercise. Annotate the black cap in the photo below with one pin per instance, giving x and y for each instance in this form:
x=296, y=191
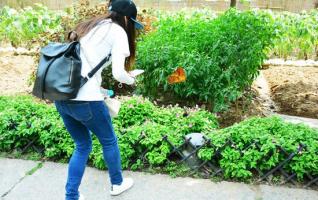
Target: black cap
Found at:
x=126, y=8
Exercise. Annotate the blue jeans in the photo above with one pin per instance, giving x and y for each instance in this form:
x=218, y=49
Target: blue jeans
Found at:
x=81, y=117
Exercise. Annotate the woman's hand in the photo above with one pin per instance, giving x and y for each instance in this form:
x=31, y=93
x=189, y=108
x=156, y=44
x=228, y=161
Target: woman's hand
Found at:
x=132, y=76
x=134, y=73
x=120, y=85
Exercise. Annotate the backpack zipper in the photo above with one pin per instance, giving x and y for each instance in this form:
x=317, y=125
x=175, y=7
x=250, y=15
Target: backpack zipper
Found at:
x=71, y=70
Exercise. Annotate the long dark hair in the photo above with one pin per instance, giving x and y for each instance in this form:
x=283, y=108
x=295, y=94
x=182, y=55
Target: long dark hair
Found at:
x=83, y=28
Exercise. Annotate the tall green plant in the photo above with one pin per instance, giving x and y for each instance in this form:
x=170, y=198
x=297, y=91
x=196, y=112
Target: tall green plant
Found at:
x=27, y=25
x=221, y=56
x=298, y=35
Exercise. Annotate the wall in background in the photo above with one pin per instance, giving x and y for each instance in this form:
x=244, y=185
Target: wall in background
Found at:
x=217, y=5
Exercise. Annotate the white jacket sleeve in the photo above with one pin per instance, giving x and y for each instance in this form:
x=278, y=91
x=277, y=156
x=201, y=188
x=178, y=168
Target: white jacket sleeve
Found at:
x=118, y=70
x=120, y=50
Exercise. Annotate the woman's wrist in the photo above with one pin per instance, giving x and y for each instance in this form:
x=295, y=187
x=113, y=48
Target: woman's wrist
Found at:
x=133, y=77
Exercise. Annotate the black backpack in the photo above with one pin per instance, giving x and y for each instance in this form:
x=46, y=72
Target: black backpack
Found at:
x=59, y=72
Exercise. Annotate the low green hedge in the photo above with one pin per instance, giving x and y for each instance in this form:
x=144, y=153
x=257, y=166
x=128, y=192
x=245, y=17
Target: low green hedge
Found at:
x=239, y=162
x=23, y=119
x=141, y=125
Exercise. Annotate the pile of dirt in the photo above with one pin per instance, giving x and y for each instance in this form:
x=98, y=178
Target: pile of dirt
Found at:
x=249, y=105
x=298, y=99
x=294, y=90
x=15, y=72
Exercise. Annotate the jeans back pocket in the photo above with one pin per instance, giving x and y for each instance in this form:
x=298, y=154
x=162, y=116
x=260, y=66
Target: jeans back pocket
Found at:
x=81, y=111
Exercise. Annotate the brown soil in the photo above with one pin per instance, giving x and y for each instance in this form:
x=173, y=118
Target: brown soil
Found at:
x=294, y=89
x=250, y=105
x=14, y=73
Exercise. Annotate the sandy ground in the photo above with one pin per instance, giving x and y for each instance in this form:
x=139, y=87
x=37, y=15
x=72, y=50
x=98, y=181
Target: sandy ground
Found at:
x=14, y=73
x=294, y=89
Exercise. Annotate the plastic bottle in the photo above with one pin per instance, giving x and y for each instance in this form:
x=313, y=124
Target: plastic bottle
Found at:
x=107, y=93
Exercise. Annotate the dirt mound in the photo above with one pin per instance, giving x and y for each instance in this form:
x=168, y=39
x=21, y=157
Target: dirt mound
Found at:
x=298, y=99
x=250, y=105
x=294, y=90
x=15, y=72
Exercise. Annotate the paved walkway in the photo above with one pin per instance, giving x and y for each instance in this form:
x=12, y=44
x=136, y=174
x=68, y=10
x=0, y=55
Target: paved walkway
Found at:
x=31, y=180
x=313, y=123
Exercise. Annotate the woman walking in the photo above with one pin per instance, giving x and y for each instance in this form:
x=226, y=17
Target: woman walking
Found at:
x=113, y=33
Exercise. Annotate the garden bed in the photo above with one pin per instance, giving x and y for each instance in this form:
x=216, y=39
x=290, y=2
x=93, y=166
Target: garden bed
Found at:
x=220, y=66
x=294, y=89
x=152, y=137
x=17, y=69
x=15, y=72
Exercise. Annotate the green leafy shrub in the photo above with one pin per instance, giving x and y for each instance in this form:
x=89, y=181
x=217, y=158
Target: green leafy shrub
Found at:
x=135, y=112
x=145, y=125
x=297, y=35
x=221, y=56
x=23, y=119
x=27, y=25
x=267, y=132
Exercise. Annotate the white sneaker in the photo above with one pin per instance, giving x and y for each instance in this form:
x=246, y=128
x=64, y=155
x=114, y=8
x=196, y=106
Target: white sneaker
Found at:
x=81, y=197
x=125, y=185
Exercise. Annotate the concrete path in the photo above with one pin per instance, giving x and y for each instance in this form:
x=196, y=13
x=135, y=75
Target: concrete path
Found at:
x=29, y=180
x=313, y=123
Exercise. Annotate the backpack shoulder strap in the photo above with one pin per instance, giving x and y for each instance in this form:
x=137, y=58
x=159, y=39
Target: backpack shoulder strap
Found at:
x=93, y=71
x=100, y=64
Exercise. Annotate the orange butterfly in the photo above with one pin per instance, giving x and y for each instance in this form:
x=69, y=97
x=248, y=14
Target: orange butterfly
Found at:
x=177, y=76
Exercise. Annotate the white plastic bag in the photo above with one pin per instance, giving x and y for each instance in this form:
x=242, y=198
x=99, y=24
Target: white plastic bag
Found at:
x=113, y=106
